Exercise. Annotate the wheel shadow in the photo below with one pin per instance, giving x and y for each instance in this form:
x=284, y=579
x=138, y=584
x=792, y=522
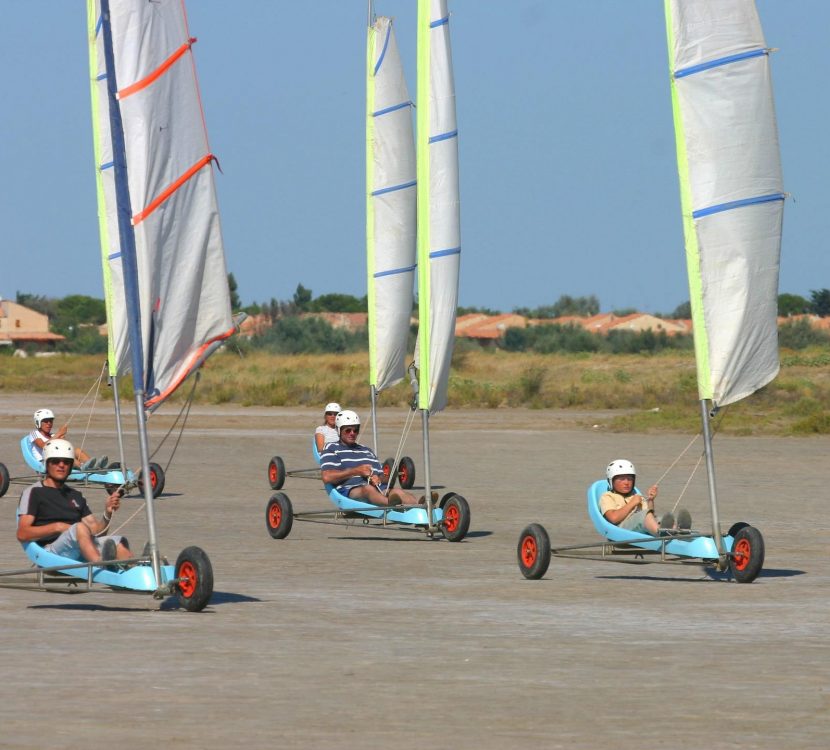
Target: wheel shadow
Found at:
x=169, y=604
x=708, y=576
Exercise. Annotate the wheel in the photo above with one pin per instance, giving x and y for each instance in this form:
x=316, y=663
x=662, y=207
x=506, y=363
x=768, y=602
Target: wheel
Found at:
x=456, y=519
x=736, y=527
x=387, y=471
x=279, y=515
x=156, y=480
x=276, y=473
x=195, y=575
x=534, y=551
x=406, y=473
x=4, y=479
x=747, y=554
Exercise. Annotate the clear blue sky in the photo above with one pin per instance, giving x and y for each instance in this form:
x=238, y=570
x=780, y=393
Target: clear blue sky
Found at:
x=566, y=143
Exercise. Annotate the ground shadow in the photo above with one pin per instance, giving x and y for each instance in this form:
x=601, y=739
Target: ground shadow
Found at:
x=167, y=605
x=708, y=576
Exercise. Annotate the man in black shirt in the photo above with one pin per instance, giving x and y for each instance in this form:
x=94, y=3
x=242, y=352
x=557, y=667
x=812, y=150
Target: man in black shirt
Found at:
x=57, y=517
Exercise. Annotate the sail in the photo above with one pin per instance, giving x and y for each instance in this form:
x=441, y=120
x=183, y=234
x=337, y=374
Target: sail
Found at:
x=165, y=280
x=731, y=190
x=439, y=218
x=390, y=206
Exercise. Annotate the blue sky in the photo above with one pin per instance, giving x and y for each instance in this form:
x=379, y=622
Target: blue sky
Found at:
x=568, y=177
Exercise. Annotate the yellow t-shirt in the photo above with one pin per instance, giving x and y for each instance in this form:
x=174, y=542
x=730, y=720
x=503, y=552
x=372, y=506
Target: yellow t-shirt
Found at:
x=613, y=501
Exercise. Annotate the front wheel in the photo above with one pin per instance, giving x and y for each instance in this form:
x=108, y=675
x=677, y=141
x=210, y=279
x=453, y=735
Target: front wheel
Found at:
x=747, y=557
x=534, y=551
x=5, y=480
x=279, y=516
x=456, y=521
x=276, y=473
x=157, y=480
x=195, y=579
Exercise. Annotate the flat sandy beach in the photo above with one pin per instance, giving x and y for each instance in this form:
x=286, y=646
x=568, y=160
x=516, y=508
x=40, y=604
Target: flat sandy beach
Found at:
x=342, y=637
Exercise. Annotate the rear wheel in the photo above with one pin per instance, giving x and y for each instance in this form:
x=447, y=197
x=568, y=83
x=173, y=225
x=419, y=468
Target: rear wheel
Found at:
x=456, y=521
x=406, y=473
x=534, y=551
x=279, y=516
x=387, y=472
x=276, y=473
x=5, y=480
x=195, y=579
x=747, y=554
x=736, y=527
x=157, y=480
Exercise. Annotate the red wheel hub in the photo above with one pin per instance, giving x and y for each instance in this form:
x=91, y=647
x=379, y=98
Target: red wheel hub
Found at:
x=187, y=574
x=274, y=516
x=742, y=554
x=451, y=517
x=273, y=475
x=529, y=551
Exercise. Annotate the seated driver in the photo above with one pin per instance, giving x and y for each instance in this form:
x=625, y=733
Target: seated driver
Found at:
x=622, y=506
x=42, y=434
x=57, y=517
x=354, y=469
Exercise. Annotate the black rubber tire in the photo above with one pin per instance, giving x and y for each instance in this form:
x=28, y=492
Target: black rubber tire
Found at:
x=747, y=557
x=406, y=473
x=533, y=551
x=736, y=527
x=157, y=480
x=387, y=472
x=279, y=516
x=196, y=587
x=456, y=521
x=5, y=480
x=276, y=473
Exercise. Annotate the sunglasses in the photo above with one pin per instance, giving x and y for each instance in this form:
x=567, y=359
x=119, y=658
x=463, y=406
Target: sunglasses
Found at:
x=61, y=461
x=328, y=413
x=350, y=430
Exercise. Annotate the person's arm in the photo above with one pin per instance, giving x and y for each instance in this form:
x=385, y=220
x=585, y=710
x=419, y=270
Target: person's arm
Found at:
x=61, y=433
x=320, y=441
x=112, y=505
x=39, y=442
x=27, y=532
x=618, y=515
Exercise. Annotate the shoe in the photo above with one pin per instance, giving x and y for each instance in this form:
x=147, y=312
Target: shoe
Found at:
x=109, y=551
x=88, y=465
x=103, y=461
x=667, y=521
x=114, y=465
x=684, y=520
x=394, y=498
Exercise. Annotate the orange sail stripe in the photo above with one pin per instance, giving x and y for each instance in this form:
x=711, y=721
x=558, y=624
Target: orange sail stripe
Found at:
x=172, y=188
x=160, y=70
x=188, y=367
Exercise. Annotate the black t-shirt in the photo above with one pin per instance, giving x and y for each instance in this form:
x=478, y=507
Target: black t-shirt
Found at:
x=50, y=505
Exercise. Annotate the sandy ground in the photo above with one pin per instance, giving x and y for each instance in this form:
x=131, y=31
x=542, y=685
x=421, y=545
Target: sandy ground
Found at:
x=342, y=637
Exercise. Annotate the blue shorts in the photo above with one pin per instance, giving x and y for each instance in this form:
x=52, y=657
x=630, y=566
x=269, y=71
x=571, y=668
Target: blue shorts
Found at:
x=347, y=491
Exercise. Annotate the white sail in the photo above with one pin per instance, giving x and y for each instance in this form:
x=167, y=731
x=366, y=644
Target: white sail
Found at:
x=439, y=218
x=169, y=283
x=731, y=190
x=390, y=206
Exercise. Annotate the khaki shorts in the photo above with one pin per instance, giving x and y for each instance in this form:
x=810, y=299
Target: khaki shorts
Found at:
x=66, y=545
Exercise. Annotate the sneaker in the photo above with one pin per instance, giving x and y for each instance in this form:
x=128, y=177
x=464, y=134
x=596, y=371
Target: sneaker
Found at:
x=684, y=520
x=109, y=551
x=114, y=465
x=88, y=465
x=422, y=500
x=667, y=521
x=394, y=498
x=103, y=461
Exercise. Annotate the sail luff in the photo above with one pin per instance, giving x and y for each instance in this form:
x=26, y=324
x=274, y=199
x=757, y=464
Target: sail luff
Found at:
x=731, y=191
x=390, y=206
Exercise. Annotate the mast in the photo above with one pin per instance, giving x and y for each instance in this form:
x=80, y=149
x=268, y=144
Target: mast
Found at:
x=439, y=237
x=731, y=195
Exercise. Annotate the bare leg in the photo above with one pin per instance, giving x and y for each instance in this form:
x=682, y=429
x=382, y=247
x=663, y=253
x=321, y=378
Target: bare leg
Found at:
x=86, y=543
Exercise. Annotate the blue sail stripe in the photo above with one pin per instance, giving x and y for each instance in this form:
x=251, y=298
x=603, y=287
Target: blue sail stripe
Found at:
x=448, y=251
x=383, y=51
x=393, y=108
x=683, y=72
x=440, y=22
x=108, y=165
x=700, y=213
x=444, y=136
x=114, y=256
x=101, y=77
x=395, y=271
x=394, y=188
x=98, y=25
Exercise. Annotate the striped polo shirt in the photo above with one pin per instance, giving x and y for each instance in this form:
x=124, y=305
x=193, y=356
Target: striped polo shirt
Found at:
x=338, y=456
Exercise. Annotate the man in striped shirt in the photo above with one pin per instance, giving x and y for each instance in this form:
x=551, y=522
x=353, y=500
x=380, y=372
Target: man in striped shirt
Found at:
x=354, y=469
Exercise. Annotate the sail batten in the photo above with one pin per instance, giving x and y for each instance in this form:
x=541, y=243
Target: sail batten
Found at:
x=731, y=190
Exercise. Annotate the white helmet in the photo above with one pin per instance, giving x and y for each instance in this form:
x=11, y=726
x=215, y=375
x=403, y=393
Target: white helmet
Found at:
x=345, y=418
x=42, y=414
x=335, y=407
x=58, y=448
x=617, y=467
